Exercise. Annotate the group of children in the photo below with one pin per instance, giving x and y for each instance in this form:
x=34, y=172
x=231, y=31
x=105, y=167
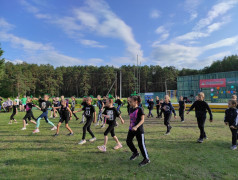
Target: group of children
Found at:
x=108, y=114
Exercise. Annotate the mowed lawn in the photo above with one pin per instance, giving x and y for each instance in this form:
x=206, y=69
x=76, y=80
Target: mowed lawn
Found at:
x=41, y=156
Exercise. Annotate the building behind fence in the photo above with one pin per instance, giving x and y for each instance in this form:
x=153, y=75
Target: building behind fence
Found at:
x=218, y=87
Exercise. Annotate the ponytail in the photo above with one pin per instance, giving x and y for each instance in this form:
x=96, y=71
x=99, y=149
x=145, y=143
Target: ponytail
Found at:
x=136, y=98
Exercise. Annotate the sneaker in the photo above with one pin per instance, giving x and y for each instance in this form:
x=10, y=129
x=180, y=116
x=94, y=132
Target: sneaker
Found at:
x=167, y=133
x=77, y=119
x=234, y=147
x=118, y=146
x=15, y=122
x=27, y=124
x=134, y=156
x=206, y=138
x=182, y=121
x=53, y=128
x=51, y=116
x=9, y=123
x=81, y=122
x=23, y=129
x=82, y=142
x=56, y=135
x=144, y=162
x=97, y=124
x=36, y=131
x=200, y=140
x=102, y=126
x=70, y=134
x=102, y=148
x=92, y=140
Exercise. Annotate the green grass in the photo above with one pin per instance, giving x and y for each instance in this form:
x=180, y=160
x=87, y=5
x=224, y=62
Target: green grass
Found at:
x=40, y=156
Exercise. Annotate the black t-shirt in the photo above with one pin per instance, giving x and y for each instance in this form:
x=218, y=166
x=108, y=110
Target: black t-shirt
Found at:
x=181, y=105
x=231, y=116
x=135, y=118
x=99, y=104
x=64, y=112
x=44, y=105
x=151, y=104
x=112, y=113
x=118, y=102
x=158, y=103
x=29, y=106
x=201, y=108
x=88, y=111
x=14, y=109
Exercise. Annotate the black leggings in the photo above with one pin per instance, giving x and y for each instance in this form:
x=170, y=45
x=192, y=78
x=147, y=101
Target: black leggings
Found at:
x=12, y=116
x=141, y=142
x=181, y=114
x=167, y=118
x=86, y=127
x=234, y=136
x=110, y=129
x=28, y=116
x=201, y=123
x=158, y=108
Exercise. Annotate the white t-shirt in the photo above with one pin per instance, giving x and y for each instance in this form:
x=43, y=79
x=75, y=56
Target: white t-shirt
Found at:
x=17, y=100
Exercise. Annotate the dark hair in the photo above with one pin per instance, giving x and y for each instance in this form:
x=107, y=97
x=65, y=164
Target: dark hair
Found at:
x=110, y=100
x=136, y=98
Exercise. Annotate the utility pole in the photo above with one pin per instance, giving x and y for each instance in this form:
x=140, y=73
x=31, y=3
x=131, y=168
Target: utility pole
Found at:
x=165, y=85
x=116, y=84
x=120, y=84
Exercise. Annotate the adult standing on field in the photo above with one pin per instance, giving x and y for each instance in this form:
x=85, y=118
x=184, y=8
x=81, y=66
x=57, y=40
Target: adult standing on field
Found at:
x=23, y=100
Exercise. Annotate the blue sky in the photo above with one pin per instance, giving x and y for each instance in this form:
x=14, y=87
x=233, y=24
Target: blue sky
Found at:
x=180, y=33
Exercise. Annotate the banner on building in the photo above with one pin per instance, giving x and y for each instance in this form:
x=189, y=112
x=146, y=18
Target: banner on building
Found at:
x=208, y=83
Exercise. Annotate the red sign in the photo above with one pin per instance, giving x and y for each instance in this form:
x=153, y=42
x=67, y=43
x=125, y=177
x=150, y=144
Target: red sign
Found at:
x=208, y=83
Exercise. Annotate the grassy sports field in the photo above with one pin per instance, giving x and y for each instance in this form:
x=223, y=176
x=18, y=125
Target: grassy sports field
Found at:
x=40, y=156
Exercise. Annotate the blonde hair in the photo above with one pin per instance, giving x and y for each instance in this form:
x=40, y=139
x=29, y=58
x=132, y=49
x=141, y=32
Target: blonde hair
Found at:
x=234, y=96
x=201, y=96
x=167, y=96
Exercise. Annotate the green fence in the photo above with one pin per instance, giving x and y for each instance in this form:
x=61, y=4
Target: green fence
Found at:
x=189, y=86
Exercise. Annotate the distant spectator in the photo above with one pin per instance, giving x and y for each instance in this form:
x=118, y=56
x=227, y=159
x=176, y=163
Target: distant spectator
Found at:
x=1, y=99
x=9, y=104
x=17, y=100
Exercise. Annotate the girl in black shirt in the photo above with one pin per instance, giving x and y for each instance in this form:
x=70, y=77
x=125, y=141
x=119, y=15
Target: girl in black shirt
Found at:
x=157, y=106
x=201, y=108
x=231, y=119
x=150, y=107
x=182, y=107
x=90, y=115
x=66, y=115
x=14, y=112
x=137, y=117
x=110, y=113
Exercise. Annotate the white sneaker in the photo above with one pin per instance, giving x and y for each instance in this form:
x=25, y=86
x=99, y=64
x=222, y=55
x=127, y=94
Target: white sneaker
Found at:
x=53, y=128
x=82, y=142
x=9, y=123
x=102, y=148
x=51, y=116
x=23, y=128
x=36, y=131
x=97, y=124
x=92, y=140
x=27, y=124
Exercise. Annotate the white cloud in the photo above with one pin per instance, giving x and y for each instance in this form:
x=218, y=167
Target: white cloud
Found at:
x=216, y=11
x=5, y=26
x=16, y=61
x=97, y=17
x=191, y=7
x=188, y=56
x=160, y=30
x=91, y=43
x=155, y=14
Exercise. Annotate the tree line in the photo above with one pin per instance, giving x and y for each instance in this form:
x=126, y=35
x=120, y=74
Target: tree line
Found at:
x=33, y=79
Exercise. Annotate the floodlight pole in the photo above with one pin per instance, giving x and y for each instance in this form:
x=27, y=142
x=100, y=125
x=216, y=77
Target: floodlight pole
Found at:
x=120, y=84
